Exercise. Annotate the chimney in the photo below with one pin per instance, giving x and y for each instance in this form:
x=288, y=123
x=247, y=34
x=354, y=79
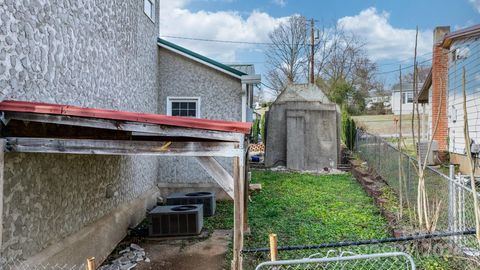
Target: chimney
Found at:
x=439, y=88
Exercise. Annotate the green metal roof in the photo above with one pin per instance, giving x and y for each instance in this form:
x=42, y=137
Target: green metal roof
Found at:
x=200, y=57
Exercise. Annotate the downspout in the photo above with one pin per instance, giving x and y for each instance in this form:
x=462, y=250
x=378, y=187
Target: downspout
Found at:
x=244, y=102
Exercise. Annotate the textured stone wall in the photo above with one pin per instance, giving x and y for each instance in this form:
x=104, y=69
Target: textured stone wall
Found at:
x=90, y=53
x=50, y=196
x=221, y=98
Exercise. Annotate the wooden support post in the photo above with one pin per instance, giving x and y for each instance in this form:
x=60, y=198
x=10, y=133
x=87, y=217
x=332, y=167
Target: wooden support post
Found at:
x=273, y=247
x=218, y=173
x=91, y=265
x=246, y=187
x=2, y=163
x=239, y=182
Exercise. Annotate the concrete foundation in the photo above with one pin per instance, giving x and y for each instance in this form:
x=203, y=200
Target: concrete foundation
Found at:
x=462, y=161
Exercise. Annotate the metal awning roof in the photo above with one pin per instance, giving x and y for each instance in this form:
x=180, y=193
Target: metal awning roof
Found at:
x=175, y=121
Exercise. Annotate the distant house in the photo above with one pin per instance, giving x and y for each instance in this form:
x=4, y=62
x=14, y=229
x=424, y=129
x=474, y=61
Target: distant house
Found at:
x=454, y=52
x=378, y=99
x=405, y=98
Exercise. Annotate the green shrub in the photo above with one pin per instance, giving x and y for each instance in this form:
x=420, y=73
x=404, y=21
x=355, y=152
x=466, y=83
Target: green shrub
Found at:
x=255, y=130
x=262, y=127
x=349, y=130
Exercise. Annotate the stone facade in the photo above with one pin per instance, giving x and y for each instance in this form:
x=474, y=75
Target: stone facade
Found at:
x=221, y=99
x=89, y=53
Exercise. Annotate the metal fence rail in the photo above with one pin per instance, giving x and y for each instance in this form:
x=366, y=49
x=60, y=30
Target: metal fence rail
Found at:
x=389, y=260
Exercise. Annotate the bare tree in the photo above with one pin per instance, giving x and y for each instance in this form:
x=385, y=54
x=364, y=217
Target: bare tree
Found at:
x=287, y=55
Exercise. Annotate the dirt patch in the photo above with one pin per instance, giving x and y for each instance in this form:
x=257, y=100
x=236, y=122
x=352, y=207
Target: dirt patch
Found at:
x=187, y=253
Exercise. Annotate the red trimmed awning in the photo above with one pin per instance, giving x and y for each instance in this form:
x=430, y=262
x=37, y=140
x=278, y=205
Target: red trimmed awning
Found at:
x=187, y=122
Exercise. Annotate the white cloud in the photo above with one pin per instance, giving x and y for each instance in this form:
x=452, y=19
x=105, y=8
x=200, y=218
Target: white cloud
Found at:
x=281, y=3
x=383, y=41
x=177, y=20
x=476, y=4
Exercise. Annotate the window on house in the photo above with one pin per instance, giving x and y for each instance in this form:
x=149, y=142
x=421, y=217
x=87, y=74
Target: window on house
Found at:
x=180, y=106
x=407, y=98
x=149, y=9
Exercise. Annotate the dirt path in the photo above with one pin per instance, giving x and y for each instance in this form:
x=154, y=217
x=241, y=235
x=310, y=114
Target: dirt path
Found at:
x=187, y=254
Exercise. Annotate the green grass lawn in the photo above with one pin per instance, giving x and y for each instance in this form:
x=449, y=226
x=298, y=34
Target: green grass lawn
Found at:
x=306, y=209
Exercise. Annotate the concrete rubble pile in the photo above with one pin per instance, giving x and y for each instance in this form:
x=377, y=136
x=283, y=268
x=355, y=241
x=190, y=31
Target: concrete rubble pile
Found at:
x=128, y=259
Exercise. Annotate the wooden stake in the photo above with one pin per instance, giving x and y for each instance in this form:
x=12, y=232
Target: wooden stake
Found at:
x=273, y=247
x=238, y=211
x=91, y=263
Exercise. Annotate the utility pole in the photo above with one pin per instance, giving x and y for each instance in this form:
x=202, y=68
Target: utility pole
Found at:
x=312, y=51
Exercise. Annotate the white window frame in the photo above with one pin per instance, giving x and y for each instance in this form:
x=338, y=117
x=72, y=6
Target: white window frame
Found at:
x=152, y=11
x=404, y=98
x=184, y=99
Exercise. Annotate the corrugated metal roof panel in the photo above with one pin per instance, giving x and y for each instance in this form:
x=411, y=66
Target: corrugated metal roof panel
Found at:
x=187, y=122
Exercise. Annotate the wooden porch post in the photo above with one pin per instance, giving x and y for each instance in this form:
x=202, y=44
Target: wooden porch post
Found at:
x=239, y=201
x=2, y=161
x=245, y=195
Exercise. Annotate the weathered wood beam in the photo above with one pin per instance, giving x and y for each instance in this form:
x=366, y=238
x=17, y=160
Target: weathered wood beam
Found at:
x=2, y=165
x=238, y=211
x=158, y=130
x=122, y=147
x=217, y=172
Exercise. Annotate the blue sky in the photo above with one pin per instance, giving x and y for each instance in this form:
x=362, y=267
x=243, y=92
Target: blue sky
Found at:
x=387, y=27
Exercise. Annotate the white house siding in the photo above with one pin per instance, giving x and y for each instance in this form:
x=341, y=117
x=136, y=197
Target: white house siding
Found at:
x=469, y=57
x=221, y=99
x=88, y=53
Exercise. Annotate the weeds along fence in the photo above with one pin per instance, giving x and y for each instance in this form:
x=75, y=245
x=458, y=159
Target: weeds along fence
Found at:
x=450, y=195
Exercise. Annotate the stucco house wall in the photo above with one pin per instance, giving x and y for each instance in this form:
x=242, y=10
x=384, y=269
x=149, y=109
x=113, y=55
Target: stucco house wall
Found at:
x=90, y=53
x=221, y=99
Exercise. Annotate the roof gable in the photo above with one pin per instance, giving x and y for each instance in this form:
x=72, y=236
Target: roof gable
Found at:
x=200, y=58
x=303, y=92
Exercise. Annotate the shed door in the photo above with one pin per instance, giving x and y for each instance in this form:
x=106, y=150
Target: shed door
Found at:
x=311, y=139
x=295, y=140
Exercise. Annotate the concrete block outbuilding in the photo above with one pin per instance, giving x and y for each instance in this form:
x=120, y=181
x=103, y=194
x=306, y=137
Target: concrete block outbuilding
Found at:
x=303, y=130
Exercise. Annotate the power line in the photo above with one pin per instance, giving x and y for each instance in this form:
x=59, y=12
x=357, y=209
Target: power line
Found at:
x=403, y=68
x=221, y=41
x=269, y=87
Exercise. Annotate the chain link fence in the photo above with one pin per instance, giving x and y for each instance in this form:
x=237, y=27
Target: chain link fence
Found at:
x=14, y=264
x=450, y=195
x=450, y=244
x=346, y=260
x=435, y=251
